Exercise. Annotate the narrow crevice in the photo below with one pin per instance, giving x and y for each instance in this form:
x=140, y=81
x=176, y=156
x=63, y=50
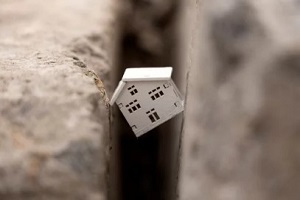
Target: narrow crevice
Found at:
x=105, y=112
x=145, y=167
x=148, y=165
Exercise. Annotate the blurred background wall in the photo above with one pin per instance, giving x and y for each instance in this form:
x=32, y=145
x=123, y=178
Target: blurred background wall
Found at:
x=242, y=132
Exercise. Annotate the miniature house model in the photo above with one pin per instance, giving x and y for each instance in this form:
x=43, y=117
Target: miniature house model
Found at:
x=147, y=97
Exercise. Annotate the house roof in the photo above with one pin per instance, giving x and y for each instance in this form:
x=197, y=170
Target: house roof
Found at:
x=147, y=74
x=142, y=74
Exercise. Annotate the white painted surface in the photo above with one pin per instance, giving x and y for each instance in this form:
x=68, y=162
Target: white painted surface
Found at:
x=147, y=74
x=117, y=92
x=148, y=103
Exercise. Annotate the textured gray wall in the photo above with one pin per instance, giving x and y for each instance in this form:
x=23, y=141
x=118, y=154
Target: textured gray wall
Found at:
x=242, y=121
x=53, y=121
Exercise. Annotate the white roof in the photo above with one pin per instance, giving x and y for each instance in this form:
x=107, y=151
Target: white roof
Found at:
x=147, y=74
x=142, y=74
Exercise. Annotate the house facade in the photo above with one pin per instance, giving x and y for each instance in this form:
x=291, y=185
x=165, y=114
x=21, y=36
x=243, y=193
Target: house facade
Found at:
x=147, y=97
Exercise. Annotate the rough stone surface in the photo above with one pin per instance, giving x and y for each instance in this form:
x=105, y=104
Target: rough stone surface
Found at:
x=53, y=124
x=241, y=137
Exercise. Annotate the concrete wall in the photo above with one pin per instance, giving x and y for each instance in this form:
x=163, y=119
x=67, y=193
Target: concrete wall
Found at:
x=241, y=133
x=53, y=120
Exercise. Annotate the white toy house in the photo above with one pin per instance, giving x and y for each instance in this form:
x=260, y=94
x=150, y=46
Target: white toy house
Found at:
x=147, y=97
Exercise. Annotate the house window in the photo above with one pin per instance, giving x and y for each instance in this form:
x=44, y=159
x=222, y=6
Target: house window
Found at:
x=132, y=90
x=153, y=116
x=156, y=93
x=133, y=106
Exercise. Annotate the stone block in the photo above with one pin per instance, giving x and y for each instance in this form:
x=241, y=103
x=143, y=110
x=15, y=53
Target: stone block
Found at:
x=242, y=121
x=54, y=131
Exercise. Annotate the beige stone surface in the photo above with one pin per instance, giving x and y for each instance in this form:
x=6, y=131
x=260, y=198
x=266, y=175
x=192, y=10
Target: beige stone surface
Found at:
x=53, y=121
x=242, y=120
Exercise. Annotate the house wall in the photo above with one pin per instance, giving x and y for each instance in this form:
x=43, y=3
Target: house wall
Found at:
x=146, y=104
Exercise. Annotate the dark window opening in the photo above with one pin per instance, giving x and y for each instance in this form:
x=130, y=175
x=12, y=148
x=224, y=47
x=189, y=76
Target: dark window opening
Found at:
x=132, y=107
x=157, y=95
x=133, y=90
x=156, y=116
x=152, y=118
x=130, y=87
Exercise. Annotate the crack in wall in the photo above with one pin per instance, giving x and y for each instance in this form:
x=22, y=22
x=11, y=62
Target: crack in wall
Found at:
x=98, y=82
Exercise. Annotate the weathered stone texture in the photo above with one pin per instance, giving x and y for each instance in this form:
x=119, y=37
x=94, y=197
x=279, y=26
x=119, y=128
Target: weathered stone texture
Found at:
x=242, y=121
x=53, y=124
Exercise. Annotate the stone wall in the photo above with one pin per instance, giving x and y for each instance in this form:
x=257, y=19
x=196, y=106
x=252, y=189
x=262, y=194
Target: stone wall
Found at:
x=242, y=120
x=240, y=70
x=54, y=138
